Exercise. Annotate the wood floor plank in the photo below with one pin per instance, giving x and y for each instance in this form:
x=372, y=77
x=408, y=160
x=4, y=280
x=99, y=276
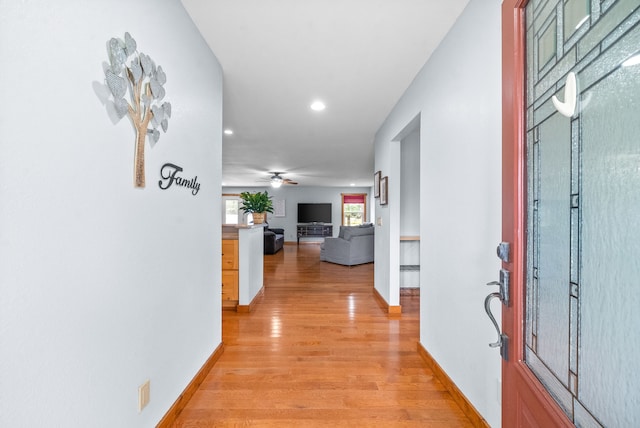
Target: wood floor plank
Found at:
x=317, y=350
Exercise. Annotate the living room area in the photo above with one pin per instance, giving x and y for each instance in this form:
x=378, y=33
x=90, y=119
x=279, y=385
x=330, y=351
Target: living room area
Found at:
x=285, y=201
x=336, y=221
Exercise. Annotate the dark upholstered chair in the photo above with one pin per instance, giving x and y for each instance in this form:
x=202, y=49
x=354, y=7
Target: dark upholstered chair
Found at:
x=273, y=240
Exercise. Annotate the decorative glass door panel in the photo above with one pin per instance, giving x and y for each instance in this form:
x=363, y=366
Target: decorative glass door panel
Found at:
x=582, y=327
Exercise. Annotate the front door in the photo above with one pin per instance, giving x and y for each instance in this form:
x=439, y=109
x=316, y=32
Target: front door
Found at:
x=571, y=209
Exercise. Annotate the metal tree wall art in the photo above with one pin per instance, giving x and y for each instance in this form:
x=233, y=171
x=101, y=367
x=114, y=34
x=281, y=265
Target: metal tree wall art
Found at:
x=136, y=74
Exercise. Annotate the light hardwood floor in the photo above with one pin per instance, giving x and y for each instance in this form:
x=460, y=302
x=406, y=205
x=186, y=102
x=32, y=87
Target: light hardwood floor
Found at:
x=317, y=350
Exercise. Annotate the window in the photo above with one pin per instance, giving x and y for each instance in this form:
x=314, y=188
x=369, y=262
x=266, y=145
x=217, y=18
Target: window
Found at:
x=354, y=209
x=231, y=209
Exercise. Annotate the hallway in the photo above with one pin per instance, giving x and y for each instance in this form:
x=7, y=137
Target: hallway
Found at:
x=317, y=350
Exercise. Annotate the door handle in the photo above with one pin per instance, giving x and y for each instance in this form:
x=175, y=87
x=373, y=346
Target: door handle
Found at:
x=503, y=295
x=487, y=308
x=504, y=284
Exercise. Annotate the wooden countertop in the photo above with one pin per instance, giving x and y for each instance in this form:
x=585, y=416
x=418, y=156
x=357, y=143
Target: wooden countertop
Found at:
x=230, y=231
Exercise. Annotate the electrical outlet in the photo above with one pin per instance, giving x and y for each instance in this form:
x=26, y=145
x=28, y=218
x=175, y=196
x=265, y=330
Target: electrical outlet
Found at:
x=144, y=395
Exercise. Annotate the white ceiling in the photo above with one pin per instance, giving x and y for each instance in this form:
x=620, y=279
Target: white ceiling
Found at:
x=358, y=56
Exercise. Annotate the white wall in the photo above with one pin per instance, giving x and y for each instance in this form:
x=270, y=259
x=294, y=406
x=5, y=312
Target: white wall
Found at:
x=410, y=207
x=457, y=95
x=102, y=285
x=305, y=194
x=251, y=263
x=410, y=184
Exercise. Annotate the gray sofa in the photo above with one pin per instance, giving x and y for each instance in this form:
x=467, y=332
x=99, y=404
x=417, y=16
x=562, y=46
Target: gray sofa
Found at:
x=353, y=246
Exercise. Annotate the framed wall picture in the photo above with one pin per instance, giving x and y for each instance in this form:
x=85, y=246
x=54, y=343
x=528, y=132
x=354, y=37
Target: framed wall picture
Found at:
x=278, y=208
x=376, y=184
x=384, y=190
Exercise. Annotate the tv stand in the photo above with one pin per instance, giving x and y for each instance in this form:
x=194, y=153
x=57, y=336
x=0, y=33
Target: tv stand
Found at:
x=314, y=230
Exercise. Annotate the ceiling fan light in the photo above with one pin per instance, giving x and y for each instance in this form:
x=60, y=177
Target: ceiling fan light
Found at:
x=276, y=181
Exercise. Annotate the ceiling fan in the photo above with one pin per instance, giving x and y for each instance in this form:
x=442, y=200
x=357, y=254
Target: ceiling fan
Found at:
x=277, y=179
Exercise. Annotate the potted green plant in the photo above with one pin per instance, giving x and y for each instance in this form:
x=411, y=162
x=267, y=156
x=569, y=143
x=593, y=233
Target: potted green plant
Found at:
x=258, y=204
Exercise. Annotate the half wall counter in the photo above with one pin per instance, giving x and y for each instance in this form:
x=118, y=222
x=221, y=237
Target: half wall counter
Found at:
x=242, y=265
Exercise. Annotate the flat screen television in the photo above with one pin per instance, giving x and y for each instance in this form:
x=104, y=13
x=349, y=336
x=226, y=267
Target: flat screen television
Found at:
x=314, y=213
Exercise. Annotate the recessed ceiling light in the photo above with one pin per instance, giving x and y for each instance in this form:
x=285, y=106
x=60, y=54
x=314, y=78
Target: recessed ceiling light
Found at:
x=318, y=106
x=228, y=131
x=352, y=184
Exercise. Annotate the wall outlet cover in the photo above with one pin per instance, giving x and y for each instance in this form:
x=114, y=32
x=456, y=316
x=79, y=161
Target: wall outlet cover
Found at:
x=144, y=395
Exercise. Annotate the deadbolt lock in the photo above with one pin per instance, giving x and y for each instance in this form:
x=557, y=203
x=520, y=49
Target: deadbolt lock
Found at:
x=503, y=251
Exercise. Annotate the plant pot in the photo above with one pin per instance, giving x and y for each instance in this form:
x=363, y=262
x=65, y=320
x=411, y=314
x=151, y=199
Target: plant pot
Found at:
x=258, y=218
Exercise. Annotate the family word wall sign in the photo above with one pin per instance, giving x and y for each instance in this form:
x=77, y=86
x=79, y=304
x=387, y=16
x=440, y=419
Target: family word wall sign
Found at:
x=136, y=85
x=169, y=176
